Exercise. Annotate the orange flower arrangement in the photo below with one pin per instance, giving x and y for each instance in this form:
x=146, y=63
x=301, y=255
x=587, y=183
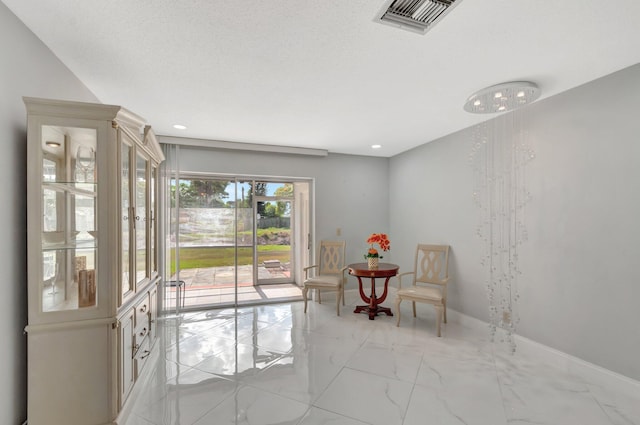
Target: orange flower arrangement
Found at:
x=382, y=240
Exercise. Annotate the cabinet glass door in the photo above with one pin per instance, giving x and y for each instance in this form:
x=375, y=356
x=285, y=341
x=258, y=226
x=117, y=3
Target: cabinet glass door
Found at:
x=69, y=202
x=141, y=219
x=153, y=228
x=126, y=217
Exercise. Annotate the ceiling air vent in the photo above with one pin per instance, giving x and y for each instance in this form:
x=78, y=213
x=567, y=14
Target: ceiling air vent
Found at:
x=416, y=15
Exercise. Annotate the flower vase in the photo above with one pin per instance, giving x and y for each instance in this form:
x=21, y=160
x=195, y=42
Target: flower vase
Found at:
x=372, y=263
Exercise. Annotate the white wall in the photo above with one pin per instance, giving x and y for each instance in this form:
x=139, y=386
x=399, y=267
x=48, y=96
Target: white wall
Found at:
x=580, y=287
x=28, y=69
x=351, y=192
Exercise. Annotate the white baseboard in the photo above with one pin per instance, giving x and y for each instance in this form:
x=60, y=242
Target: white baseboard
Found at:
x=590, y=372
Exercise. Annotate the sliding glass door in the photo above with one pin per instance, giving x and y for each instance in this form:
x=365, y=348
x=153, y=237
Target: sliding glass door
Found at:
x=274, y=240
x=230, y=235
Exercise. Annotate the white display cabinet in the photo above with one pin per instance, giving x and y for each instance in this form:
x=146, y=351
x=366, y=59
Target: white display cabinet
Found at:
x=92, y=258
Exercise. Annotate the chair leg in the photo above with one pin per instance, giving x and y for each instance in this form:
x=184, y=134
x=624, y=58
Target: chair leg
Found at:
x=398, y=301
x=319, y=298
x=439, y=314
x=414, y=308
x=444, y=314
x=304, y=296
x=342, y=295
x=338, y=296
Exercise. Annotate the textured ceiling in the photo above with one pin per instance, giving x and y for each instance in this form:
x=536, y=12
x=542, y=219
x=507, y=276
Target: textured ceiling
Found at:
x=321, y=73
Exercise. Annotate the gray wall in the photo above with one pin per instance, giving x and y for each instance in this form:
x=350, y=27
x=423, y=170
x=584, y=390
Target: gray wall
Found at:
x=580, y=286
x=351, y=192
x=28, y=69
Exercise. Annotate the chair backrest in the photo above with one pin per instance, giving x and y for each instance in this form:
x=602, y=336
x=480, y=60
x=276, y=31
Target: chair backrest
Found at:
x=331, y=257
x=431, y=264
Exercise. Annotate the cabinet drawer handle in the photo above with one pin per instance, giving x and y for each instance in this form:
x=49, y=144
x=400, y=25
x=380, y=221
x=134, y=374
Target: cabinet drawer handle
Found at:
x=143, y=308
x=145, y=355
x=143, y=332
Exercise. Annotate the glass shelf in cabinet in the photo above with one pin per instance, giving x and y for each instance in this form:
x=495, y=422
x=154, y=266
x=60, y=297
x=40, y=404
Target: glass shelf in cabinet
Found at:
x=87, y=189
x=81, y=244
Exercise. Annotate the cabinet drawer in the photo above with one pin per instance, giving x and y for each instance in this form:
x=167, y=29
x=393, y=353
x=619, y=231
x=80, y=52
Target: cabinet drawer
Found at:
x=142, y=312
x=140, y=333
x=141, y=356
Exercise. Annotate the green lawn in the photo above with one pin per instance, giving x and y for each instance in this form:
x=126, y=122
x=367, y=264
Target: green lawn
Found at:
x=202, y=257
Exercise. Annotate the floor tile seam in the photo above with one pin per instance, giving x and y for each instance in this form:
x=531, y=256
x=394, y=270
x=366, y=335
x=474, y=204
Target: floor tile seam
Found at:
x=394, y=346
x=326, y=388
x=188, y=368
x=342, y=415
x=233, y=339
x=503, y=399
x=304, y=415
x=223, y=400
x=200, y=332
x=176, y=391
x=241, y=379
x=280, y=353
x=139, y=417
x=334, y=335
x=146, y=421
x=415, y=377
x=262, y=389
x=378, y=375
x=218, y=375
x=410, y=398
x=290, y=351
x=232, y=320
x=424, y=363
x=214, y=353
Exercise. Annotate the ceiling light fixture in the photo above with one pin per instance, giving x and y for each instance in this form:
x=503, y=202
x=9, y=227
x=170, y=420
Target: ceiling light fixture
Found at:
x=179, y=127
x=501, y=149
x=502, y=97
x=376, y=146
x=52, y=143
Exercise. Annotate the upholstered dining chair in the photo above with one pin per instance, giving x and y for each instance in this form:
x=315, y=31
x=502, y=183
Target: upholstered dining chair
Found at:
x=429, y=280
x=328, y=273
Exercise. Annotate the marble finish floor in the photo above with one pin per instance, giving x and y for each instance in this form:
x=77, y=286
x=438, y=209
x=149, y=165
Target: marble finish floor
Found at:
x=273, y=364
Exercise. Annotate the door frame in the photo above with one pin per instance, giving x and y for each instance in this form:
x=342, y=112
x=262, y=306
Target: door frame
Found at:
x=303, y=217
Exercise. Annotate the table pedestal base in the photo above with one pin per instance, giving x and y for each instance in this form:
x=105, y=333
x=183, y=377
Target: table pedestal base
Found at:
x=373, y=311
x=385, y=271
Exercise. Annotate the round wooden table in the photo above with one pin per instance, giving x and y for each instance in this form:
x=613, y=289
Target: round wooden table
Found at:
x=361, y=270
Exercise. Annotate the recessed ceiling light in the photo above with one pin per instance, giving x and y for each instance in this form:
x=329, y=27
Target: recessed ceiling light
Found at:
x=179, y=127
x=52, y=143
x=376, y=146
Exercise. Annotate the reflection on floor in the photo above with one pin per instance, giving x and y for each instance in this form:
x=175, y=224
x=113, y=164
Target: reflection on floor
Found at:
x=216, y=286
x=273, y=364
